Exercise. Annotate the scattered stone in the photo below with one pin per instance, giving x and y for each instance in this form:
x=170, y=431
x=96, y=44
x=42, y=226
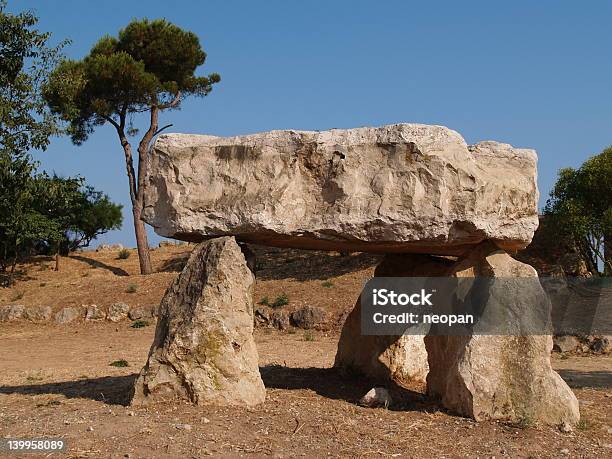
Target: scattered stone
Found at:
x=566, y=427
x=279, y=320
x=565, y=343
x=11, y=312
x=565, y=451
x=37, y=313
x=90, y=429
x=66, y=315
x=93, y=312
x=204, y=349
x=396, y=188
x=186, y=427
x=377, y=396
x=118, y=312
x=140, y=312
x=103, y=247
x=167, y=244
x=262, y=316
x=308, y=317
x=601, y=345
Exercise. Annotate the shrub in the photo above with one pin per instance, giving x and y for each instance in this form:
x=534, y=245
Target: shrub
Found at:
x=328, y=284
x=17, y=296
x=124, y=254
x=140, y=324
x=132, y=288
x=119, y=363
x=280, y=301
x=264, y=301
x=309, y=336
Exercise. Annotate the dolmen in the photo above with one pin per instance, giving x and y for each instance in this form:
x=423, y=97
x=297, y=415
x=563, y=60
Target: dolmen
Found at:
x=432, y=204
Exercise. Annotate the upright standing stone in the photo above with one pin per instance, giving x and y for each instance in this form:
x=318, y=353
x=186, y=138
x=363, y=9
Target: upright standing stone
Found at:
x=203, y=349
x=507, y=377
x=400, y=359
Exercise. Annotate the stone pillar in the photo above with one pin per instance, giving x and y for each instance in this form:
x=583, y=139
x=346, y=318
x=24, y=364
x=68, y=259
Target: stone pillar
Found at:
x=203, y=349
x=400, y=359
x=499, y=377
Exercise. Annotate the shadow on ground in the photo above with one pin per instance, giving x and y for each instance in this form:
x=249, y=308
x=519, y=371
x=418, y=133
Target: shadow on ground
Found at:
x=332, y=383
x=302, y=265
x=98, y=264
x=112, y=390
x=175, y=264
x=581, y=379
x=326, y=382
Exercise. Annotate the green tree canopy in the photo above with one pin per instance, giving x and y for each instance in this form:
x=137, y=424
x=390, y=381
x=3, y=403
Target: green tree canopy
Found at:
x=149, y=67
x=80, y=212
x=42, y=212
x=580, y=205
x=26, y=62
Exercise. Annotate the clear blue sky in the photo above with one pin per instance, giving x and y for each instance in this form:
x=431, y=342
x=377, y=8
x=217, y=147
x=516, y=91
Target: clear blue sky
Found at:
x=534, y=74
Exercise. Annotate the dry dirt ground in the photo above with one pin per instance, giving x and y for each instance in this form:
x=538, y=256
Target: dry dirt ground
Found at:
x=57, y=381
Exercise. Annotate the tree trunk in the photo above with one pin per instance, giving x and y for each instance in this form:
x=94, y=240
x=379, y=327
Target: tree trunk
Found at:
x=607, y=254
x=57, y=259
x=142, y=242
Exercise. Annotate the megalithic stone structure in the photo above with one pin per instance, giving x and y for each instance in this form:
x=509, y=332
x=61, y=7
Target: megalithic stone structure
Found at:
x=435, y=205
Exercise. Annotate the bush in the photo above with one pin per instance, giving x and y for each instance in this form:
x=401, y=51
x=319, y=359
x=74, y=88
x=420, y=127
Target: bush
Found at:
x=309, y=336
x=280, y=301
x=264, y=301
x=328, y=284
x=140, y=324
x=123, y=254
x=132, y=288
x=119, y=363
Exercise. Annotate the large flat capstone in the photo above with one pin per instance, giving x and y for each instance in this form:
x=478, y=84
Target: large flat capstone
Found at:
x=397, y=188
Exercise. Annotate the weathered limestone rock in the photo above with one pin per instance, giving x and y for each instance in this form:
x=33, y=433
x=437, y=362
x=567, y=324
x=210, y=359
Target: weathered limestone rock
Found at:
x=141, y=312
x=93, y=312
x=204, y=349
x=37, y=313
x=401, y=359
x=308, y=317
x=118, y=312
x=11, y=312
x=398, y=188
x=499, y=377
x=565, y=343
x=67, y=315
x=376, y=397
